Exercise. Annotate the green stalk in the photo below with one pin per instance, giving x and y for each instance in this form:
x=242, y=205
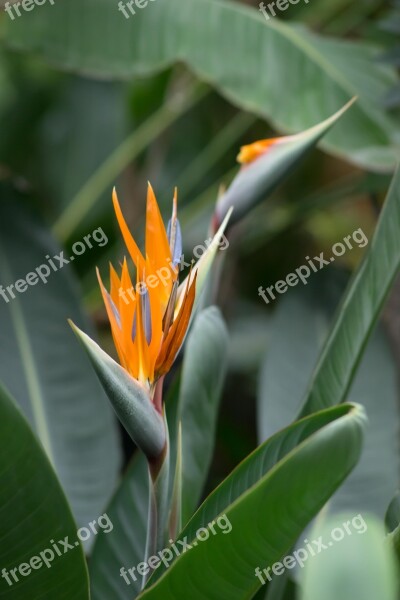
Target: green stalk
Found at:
x=157, y=522
x=175, y=518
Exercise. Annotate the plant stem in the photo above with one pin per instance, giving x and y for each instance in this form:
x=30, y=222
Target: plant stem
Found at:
x=158, y=502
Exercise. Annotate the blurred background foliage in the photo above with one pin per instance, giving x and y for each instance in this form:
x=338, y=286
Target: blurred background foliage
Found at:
x=67, y=136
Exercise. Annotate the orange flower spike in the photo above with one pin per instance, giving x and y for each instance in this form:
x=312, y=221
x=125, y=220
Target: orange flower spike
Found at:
x=148, y=323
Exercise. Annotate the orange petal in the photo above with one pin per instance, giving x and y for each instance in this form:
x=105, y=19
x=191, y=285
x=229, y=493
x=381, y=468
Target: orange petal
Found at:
x=251, y=152
x=177, y=332
x=115, y=326
x=157, y=246
x=127, y=311
x=133, y=248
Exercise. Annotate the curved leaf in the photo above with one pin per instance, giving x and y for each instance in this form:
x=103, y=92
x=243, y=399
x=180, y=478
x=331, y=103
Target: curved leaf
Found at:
x=269, y=514
x=34, y=512
x=359, y=310
x=282, y=72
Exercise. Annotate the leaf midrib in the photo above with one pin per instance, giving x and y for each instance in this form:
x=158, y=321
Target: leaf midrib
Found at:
x=28, y=363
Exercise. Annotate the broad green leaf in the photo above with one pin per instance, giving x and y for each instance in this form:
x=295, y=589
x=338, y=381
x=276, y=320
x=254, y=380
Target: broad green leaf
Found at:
x=41, y=365
x=256, y=465
x=257, y=180
x=267, y=508
x=359, y=310
x=34, y=513
x=203, y=373
x=130, y=400
x=296, y=332
x=355, y=566
x=282, y=72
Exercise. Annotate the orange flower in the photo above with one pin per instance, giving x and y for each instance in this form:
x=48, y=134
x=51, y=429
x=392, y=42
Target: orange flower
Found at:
x=149, y=320
x=251, y=152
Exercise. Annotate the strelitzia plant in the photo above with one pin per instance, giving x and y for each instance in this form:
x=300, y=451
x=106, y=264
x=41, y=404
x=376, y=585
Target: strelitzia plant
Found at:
x=149, y=322
x=225, y=546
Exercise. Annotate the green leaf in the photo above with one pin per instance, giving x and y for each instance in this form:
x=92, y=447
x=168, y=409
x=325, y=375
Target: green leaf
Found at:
x=42, y=369
x=257, y=180
x=359, y=310
x=360, y=566
x=130, y=400
x=33, y=513
x=297, y=331
x=282, y=72
x=125, y=545
x=267, y=508
x=203, y=373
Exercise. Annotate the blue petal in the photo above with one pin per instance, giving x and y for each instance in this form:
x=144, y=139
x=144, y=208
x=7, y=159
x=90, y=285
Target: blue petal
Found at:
x=114, y=309
x=174, y=234
x=145, y=299
x=133, y=332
